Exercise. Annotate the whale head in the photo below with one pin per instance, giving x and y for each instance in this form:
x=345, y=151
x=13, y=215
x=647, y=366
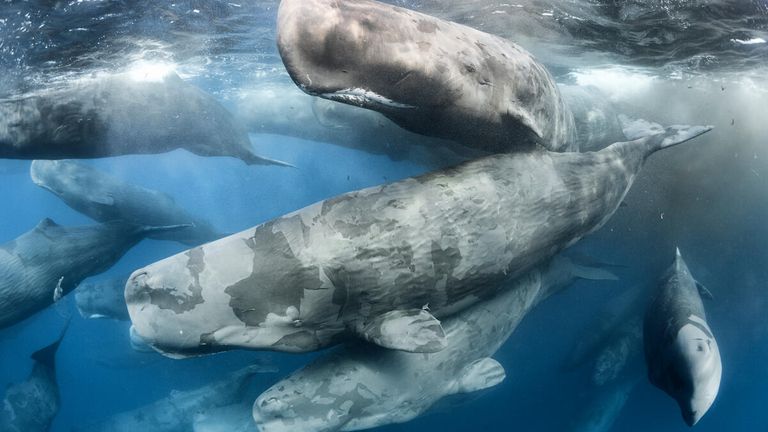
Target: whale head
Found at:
x=339, y=391
x=695, y=371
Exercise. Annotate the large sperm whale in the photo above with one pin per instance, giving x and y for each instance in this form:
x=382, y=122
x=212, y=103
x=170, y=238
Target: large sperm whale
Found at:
x=384, y=263
x=46, y=263
x=31, y=405
x=359, y=386
x=429, y=76
x=681, y=353
x=119, y=114
x=105, y=198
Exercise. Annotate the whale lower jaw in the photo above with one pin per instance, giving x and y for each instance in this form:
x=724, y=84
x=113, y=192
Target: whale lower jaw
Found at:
x=363, y=98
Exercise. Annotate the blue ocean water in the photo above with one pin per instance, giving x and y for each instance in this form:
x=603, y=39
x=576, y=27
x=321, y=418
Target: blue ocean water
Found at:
x=709, y=198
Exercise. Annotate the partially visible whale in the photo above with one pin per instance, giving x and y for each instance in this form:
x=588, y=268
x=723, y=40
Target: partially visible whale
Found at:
x=177, y=411
x=384, y=263
x=429, y=76
x=681, y=352
x=49, y=261
x=231, y=418
x=604, y=405
x=359, y=386
x=105, y=198
x=611, y=346
x=596, y=119
x=102, y=299
x=31, y=406
x=276, y=108
x=120, y=114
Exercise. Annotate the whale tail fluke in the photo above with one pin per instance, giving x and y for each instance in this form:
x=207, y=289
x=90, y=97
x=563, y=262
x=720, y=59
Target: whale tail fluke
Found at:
x=674, y=135
x=656, y=136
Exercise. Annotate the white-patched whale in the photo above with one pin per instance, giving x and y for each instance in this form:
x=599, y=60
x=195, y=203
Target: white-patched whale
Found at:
x=360, y=386
x=105, y=198
x=429, y=76
x=31, y=405
x=384, y=263
x=681, y=352
x=119, y=114
x=49, y=261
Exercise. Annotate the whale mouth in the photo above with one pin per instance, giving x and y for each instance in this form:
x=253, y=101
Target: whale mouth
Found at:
x=364, y=98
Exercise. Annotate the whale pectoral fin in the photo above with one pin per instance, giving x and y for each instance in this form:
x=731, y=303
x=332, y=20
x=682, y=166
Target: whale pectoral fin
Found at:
x=480, y=375
x=704, y=292
x=101, y=198
x=412, y=330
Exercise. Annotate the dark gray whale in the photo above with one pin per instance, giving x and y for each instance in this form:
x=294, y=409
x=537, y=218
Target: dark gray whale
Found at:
x=48, y=262
x=681, y=353
x=104, y=198
x=30, y=406
x=384, y=263
x=102, y=299
x=429, y=76
x=120, y=114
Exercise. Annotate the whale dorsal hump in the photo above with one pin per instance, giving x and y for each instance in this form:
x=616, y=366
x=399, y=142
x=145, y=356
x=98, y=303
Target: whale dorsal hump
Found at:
x=411, y=330
x=480, y=375
x=45, y=224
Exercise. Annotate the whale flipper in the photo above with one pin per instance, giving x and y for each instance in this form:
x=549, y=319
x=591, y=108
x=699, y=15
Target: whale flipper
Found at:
x=101, y=198
x=412, y=330
x=480, y=375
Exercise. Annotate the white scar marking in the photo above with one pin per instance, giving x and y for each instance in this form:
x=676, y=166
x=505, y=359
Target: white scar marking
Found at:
x=359, y=96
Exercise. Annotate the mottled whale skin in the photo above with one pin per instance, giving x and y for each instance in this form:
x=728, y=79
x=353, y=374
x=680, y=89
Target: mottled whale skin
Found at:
x=177, y=412
x=596, y=119
x=104, y=198
x=102, y=299
x=681, y=352
x=120, y=114
x=360, y=386
x=370, y=263
x=52, y=260
x=429, y=76
x=30, y=406
x=231, y=418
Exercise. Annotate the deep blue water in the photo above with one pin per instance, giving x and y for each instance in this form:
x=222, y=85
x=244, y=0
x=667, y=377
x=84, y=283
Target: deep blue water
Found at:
x=709, y=197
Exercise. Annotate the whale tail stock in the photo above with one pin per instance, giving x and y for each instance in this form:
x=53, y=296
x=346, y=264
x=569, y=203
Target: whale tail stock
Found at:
x=47, y=355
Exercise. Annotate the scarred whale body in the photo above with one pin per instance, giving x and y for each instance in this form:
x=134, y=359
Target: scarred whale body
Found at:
x=359, y=386
x=119, y=114
x=49, y=261
x=383, y=263
x=104, y=198
x=429, y=76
